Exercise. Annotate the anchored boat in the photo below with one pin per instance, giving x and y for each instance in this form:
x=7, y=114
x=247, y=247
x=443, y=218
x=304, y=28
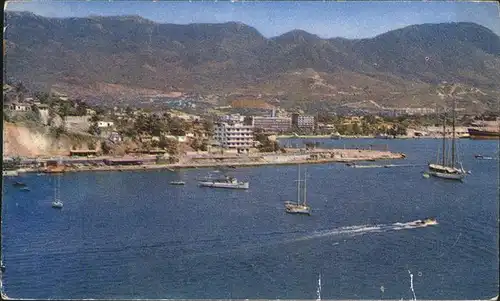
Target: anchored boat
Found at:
x=57, y=203
x=448, y=168
x=299, y=207
x=226, y=182
x=177, y=183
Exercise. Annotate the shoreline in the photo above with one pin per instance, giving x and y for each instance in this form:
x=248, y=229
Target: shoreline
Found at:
x=360, y=137
x=271, y=160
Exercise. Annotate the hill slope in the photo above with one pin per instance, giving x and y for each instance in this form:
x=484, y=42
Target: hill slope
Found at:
x=126, y=57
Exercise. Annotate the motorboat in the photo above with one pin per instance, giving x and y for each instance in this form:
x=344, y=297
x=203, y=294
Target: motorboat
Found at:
x=429, y=221
x=481, y=157
x=177, y=183
x=227, y=182
x=57, y=204
x=19, y=184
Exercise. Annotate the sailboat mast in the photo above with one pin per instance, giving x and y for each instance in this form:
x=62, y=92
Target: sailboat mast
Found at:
x=55, y=188
x=453, y=139
x=298, y=184
x=305, y=187
x=444, y=138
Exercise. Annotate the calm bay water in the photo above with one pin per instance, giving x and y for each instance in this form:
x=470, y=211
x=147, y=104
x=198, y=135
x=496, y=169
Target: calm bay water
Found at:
x=131, y=235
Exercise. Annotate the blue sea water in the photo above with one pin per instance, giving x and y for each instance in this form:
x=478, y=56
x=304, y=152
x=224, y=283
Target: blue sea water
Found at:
x=131, y=235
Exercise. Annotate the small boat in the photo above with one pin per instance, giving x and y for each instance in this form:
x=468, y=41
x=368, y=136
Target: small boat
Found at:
x=25, y=189
x=335, y=136
x=177, y=183
x=10, y=173
x=57, y=204
x=429, y=221
x=448, y=168
x=2, y=267
x=19, y=184
x=227, y=182
x=299, y=207
x=384, y=136
x=481, y=157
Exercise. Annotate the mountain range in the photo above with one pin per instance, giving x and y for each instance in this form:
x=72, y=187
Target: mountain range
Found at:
x=129, y=57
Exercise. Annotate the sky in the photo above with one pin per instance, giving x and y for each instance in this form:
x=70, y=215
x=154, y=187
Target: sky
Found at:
x=353, y=19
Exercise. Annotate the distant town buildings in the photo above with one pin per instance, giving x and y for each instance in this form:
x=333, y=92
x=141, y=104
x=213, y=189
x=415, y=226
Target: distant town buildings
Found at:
x=303, y=121
x=234, y=135
x=115, y=137
x=234, y=118
x=273, y=123
x=394, y=112
x=105, y=124
x=18, y=107
x=78, y=123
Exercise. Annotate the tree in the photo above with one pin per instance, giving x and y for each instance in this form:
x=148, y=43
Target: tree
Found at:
x=365, y=128
x=92, y=145
x=81, y=109
x=208, y=126
x=58, y=131
x=106, y=149
x=177, y=128
x=94, y=119
x=155, y=144
x=356, y=129
x=325, y=117
x=172, y=147
x=196, y=144
x=99, y=111
x=64, y=110
x=128, y=111
x=43, y=97
x=94, y=129
x=6, y=116
x=370, y=119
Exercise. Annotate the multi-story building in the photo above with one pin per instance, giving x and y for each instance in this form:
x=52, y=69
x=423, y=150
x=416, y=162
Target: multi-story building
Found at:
x=234, y=135
x=303, y=121
x=272, y=124
x=233, y=118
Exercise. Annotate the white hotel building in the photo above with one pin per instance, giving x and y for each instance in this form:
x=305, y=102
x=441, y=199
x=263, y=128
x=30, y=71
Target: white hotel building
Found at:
x=234, y=135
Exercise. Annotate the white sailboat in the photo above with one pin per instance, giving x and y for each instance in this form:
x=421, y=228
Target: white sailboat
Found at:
x=298, y=207
x=318, y=291
x=448, y=168
x=56, y=203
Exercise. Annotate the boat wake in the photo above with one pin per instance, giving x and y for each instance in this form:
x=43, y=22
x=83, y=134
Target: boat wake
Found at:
x=364, y=229
x=219, y=245
x=348, y=231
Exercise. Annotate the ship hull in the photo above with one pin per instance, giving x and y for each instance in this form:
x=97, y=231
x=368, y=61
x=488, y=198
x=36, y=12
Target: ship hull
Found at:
x=293, y=208
x=448, y=176
x=225, y=185
x=297, y=211
x=483, y=134
x=10, y=173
